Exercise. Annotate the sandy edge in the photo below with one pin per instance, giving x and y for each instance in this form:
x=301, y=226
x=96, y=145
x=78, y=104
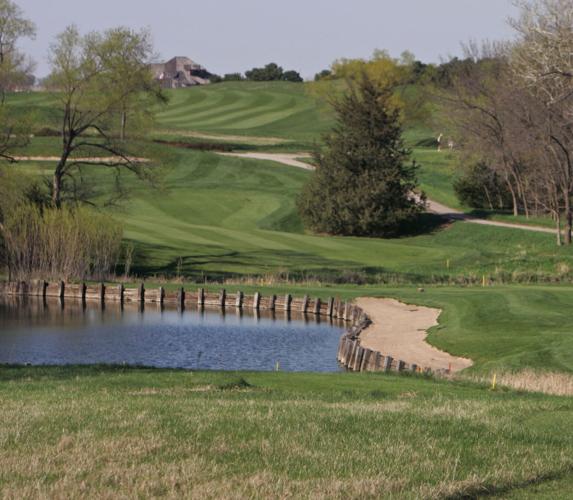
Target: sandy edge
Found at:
x=400, y=330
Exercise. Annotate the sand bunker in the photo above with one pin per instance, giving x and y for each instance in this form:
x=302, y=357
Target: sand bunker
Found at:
x=399, y=330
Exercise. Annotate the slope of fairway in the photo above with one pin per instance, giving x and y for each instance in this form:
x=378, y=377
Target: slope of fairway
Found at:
x=278, y=109
x=229, y=217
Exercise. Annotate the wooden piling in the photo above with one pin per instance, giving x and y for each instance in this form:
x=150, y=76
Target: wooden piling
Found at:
x=347, y=347
x=181, y=298
x=365, y=360
x=288, y=302
x=141, y=293
x=222, y=298
x=358, y=358
x=400, y=365
x=239, y=300
x=352, y=345
x=61, y=290
x=387, y=364
x=272, y=302
x=378, y=362
x=330, y=311
x=201, y=297
x=120, y=292
x=316, y=308
x=346, y=314
x=257, y=301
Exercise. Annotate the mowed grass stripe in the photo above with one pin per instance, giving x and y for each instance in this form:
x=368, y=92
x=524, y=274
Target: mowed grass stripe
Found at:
x=240, y=118
x=238, y=107
x=189, y=114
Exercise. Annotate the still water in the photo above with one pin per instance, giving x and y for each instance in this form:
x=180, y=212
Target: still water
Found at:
x=50, y=333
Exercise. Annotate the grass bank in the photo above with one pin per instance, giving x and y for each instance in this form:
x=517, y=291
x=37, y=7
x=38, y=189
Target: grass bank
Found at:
x=109, y=432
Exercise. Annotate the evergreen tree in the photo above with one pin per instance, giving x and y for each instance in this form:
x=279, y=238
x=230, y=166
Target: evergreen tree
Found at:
x=363, y=184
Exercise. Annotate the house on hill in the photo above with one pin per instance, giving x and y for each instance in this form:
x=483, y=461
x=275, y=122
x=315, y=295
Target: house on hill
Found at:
x=180, y=72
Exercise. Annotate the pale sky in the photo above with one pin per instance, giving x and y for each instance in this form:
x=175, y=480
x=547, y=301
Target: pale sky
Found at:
x=306, y=35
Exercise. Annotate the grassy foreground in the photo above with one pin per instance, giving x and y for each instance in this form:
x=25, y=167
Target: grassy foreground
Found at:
x=146, y=433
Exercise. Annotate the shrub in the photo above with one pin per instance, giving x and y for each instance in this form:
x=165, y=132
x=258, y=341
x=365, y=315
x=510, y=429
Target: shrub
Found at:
x=481, y=187
x=72, y=242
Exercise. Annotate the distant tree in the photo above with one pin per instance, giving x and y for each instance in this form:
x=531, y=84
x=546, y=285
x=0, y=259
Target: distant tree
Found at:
x=15, y=69
x=322, y=75
x=14, y=66
x=233, y=77
x=542, y=62
x=362, y=185
x=102, y=79
x=291, y=76
x=270, y=72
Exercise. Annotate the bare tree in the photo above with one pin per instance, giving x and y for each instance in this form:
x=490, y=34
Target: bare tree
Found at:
x=542, y=56
x=542, y=60
x=101, y=77
x=481, y=109
x=14, y=69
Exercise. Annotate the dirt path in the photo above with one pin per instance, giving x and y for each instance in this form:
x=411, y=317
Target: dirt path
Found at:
x=290, y=159
x=94, y=159
x=399, y=330
x=294, y=160
x=453, y=214
x=242, y=139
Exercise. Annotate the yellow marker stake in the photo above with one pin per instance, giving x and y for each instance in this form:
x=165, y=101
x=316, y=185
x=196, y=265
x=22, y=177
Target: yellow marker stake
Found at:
x=493, y=381
x=483, y=281
x=277, y=366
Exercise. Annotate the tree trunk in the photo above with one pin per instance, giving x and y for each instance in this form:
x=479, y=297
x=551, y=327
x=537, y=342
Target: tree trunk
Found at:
x=57, y=181
x=486, y=190
x=123, y=125
x=57, y=189
x=568, y=220
x=558, y=225
x=513, y=198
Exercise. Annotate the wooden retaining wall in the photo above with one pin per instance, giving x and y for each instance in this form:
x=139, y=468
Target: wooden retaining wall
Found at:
x=350, y=354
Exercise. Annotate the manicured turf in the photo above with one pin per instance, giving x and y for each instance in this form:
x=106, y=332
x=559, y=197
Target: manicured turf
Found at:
x=278, y=109
x=91, y=432
x=228, y=217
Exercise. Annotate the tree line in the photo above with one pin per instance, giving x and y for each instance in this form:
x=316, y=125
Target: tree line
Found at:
x=271, y=72
x=511, y=111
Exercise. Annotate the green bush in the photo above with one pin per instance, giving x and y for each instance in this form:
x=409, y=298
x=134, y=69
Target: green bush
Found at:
x=481, y=187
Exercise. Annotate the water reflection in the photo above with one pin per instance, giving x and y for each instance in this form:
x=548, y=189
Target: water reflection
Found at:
x=50, y=331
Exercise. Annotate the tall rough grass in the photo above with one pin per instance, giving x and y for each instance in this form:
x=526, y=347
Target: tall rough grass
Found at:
x=554, y=383
x=73, y=242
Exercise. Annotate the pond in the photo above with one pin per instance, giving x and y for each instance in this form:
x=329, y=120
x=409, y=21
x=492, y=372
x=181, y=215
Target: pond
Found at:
x=46, y=332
